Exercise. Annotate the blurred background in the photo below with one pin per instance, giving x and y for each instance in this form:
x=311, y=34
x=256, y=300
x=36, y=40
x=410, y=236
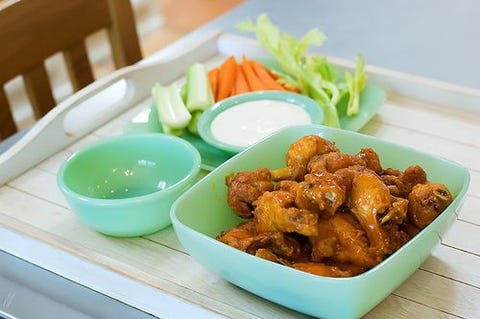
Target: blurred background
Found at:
x=159, y=23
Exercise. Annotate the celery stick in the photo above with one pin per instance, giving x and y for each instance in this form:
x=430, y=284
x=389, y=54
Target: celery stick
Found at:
x=172, y=131
x=199, y=92
x=183, y=93
x=172, y=112
x=192, y=126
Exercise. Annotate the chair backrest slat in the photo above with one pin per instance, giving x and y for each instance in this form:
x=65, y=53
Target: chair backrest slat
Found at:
x=122, y=33
x=39, y=90
x=7, y=124
x=78, y=66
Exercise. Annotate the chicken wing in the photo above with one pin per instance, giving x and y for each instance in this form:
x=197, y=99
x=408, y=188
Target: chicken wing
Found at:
x=353, y=245
x=426, y=202
x=288, y=186
x=371, y=159
x=278, y=243
x=322, y=193
x=397, y=212
x=332, y=162
x=346, y=176
x=397, y=236
x=299, y=154
x=275, y=211
x=245, y=187
x=370, y=197
x=401, y=184
x=412, y=176
x=244, y=237
x=394, y=184
x=240, y=237
x=341, y=239
x=325, y=244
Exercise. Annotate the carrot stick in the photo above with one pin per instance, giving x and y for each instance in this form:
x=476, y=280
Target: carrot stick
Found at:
x=275, y=76
x=264, y=76
x=213, y=78
x=252, y=79
x=241, y=85
x=226, y=78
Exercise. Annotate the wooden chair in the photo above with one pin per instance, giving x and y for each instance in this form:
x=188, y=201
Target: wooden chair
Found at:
x=33, y=30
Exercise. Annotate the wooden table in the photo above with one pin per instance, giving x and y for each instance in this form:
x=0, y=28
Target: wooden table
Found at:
x=156, y=275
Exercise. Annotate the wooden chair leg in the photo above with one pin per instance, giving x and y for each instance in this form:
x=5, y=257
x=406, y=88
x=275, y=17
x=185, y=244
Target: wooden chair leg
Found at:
x=39, y=90
x=78, y=66
x=7, y=124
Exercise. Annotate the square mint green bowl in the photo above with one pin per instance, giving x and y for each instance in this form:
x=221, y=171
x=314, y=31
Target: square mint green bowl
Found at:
x=200, y=214
x=124, y=186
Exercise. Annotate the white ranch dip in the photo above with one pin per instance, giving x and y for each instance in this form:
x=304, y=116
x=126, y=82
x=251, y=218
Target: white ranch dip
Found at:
x=246, y=123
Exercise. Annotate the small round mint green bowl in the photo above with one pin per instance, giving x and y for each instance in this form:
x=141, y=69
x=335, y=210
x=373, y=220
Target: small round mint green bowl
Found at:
x=125, y=185
x=312, y=111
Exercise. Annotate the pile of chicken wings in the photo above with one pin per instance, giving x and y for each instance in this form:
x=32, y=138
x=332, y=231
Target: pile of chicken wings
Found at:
x=330, y=213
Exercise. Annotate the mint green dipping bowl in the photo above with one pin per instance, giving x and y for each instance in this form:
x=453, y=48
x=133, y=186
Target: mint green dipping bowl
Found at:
x=200, y=214
x=125, y=185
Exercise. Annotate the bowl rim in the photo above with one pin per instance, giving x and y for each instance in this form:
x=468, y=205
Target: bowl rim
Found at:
x=192, y=173
x=313, y=109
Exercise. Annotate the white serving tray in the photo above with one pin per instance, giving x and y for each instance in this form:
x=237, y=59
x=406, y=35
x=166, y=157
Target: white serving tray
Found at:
x=435, y=117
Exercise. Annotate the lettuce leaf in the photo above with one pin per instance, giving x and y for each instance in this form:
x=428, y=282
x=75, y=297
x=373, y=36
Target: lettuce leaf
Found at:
x=355, y=85
x=312, y=75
